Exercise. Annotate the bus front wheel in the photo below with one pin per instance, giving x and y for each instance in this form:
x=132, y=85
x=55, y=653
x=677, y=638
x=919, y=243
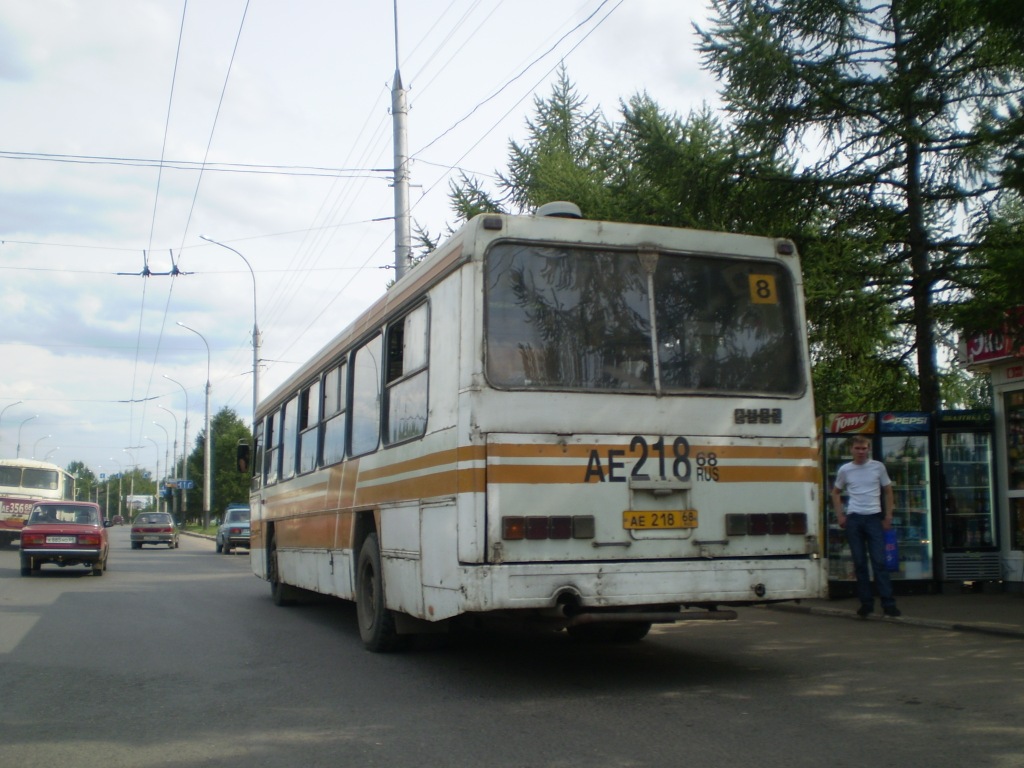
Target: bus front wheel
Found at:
x=376, y=622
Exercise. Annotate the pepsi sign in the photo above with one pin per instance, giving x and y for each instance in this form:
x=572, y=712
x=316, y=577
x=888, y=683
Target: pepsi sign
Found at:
x=896, y=421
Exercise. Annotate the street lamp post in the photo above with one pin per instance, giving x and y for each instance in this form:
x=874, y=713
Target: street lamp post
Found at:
x=2, y=412
x=35, y=446
x=156, y=477
x=167, y=466
x=17, y=454
x=184, y=448
x=50, y=453
x=120, y=490
x=206, y=445
x=257, y=341
x=135, y=467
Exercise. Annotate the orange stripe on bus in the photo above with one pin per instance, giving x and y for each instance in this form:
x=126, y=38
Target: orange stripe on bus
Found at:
x=544, y=450
x=446, y=483
x=561, y=475
x=439, y=458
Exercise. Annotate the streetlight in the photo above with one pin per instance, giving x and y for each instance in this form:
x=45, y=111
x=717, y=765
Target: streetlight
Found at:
x=120, y=490
x=50, y=453
x=167, y=443
x=257, y=341
x=2, y=412
x=171, y=441
x=17, y=454
x=135, y=471
x=184, y=448
x=206, y=446
x=35, y=447
x=156, y=477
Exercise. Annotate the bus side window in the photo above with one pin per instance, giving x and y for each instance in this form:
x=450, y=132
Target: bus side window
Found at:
x=289, y=438
x=271, y=452
x=309, y=422
x=407, y=376
x=366, y=380
x=334, y=414
x=257, y=464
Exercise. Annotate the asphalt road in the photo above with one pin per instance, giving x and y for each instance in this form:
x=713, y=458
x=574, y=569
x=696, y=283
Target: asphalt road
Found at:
x=179, y=658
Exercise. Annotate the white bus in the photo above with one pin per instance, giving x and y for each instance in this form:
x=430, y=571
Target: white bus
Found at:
x=22, y=483
x=586, y=425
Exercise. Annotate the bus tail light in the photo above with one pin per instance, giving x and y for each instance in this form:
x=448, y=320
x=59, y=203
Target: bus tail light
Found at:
x=764, y=524
x=516, y=527
x=513, y=528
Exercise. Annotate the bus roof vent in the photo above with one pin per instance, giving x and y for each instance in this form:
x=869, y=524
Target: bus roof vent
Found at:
x=560, y=209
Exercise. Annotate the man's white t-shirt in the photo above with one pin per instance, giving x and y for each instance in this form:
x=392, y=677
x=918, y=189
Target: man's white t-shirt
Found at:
x=863, y=484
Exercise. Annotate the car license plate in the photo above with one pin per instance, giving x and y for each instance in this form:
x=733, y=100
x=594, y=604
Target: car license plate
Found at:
x=654, y=520
x=152, y=538
x=60, y=539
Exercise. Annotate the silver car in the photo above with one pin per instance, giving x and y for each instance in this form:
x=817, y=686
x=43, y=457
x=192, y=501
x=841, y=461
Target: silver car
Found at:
x=154, y=528
x=234, y=531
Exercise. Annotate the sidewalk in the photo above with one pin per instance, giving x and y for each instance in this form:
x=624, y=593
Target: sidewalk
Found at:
x=995, y=613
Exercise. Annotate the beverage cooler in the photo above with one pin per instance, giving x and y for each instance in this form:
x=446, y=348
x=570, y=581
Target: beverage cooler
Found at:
x=904, y=446
x=838, y=428
x=902, y=441
x=944, y=514
x=967, y=536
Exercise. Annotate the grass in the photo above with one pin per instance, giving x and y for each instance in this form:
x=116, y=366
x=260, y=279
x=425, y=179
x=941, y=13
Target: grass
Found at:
x=210, y=530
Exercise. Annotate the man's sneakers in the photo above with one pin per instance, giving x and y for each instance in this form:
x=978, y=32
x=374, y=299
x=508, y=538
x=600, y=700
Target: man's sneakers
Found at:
x=866, y=609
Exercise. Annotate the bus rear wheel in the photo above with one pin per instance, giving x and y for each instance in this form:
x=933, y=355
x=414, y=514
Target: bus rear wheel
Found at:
x=376, y=622
x=282, y=594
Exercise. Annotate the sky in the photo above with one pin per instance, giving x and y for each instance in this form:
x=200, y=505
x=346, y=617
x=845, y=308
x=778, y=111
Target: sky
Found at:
x=129, y=128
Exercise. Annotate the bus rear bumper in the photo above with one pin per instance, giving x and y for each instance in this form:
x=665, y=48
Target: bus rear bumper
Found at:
x=580, y=590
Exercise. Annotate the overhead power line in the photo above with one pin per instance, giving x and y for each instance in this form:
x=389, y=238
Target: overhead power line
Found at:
x=190, y=165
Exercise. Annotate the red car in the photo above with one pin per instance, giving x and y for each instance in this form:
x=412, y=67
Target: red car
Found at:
x=64, y=533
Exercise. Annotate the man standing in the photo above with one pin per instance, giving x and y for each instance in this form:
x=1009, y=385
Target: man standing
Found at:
x=868, y=514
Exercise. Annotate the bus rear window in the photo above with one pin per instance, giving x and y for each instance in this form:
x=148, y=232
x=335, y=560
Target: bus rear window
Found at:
x=10, y=477
x=579, y=319
x=40, y=479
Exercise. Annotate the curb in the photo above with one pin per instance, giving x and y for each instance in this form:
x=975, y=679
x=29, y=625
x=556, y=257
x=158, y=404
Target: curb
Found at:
x=951, y=626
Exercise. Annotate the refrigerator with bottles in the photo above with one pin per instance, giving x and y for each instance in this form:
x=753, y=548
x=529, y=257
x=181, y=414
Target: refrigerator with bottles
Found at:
x=837, y=430
x=902, y=441
x=966, y=493
x=904, y=445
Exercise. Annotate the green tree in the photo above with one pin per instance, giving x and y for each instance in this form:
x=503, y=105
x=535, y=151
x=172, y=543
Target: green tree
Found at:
x=908, y=106
x=227, y=429
x=85, y=480
x=656, y=167
x=651, y=167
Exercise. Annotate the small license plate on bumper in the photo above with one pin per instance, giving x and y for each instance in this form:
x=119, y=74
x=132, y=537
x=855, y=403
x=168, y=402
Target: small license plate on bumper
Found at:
x=61, y=539
x=655, y=520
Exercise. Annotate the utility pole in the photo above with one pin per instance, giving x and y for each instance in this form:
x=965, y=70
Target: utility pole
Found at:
x=399, y=120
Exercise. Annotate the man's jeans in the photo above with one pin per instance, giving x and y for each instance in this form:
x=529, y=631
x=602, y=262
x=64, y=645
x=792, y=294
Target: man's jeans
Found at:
x=867, y=539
